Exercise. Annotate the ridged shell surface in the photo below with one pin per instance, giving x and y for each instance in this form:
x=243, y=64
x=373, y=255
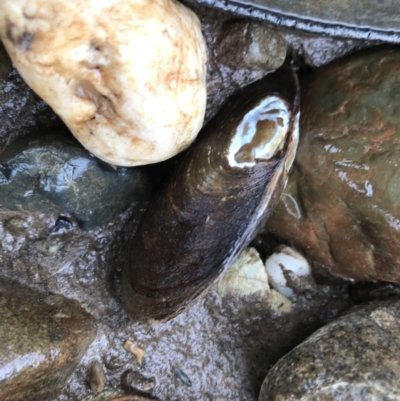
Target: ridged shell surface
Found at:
x=211, y=205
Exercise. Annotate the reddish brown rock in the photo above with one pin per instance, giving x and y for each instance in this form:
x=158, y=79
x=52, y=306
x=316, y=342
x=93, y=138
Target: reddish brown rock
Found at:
x=42, y=340
x=342, y=204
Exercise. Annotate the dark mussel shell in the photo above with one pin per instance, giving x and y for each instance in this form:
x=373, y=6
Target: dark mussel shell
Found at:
x=210, y=206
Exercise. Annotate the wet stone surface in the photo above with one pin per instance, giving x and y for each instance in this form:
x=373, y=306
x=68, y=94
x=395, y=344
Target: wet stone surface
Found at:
x=108, y=395
x=365, y=19
x=310, y=51
x=134, y=381
x=368, y=291
x=341, y=205
x=21, y=110
x=5, y=63
x=352, y=358
x=43, y=338
x=53, y=172
x=225, y=346
x=259, y=49
x=222, y=348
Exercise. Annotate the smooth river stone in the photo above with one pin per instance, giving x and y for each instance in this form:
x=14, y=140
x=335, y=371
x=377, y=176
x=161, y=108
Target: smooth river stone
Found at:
x=43, y=338
x=53, y=172
x=126, y=76
x=342, y=203
x=352, y=358
x=361, y=19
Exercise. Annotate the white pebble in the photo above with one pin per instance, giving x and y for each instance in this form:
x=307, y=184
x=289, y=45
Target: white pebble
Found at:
x=126, y=76
x=287, y=259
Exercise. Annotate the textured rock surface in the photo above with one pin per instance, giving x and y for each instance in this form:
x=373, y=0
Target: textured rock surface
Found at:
x=259, y=49
x=118, y=73
x=5, y=63
x=108, y=395
x=225, y=346
x=43, y=338
x=134, y=381
x=342, y=203
x=21, y=111
x=314, y=51
x=352, y=358
x=367, y=291
x=52, y=172
x=366, y=19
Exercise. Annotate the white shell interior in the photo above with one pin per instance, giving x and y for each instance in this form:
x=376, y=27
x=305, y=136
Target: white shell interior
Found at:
x=260, y=134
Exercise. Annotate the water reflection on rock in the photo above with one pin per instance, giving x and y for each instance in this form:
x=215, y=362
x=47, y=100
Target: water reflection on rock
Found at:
x=43, y=338
x=53, y=172
x=342, y=203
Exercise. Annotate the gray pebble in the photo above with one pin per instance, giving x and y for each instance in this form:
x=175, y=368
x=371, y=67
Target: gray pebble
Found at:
x=53, y=172
x=352, y=358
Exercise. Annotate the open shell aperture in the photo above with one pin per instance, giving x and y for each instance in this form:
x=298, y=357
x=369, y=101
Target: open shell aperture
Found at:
x=127, y=77
x=211, y=205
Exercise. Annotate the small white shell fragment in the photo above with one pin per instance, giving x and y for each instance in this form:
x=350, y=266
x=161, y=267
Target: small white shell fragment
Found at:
x=135, y=350
x=53, y=249
x=97, y=377
x=126, y=76
x=286, y=259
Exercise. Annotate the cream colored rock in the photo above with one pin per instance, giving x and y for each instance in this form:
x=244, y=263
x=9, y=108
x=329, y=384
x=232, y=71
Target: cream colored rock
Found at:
x=247, y=277
x=126, y=76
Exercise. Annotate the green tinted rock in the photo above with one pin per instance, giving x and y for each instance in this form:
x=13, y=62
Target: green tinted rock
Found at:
x=53, y=172
x=43, y=338
x=342, y=204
